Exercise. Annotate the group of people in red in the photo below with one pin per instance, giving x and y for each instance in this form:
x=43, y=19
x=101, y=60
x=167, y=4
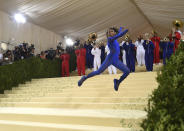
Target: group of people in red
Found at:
x=81, y=61
x=174, y=37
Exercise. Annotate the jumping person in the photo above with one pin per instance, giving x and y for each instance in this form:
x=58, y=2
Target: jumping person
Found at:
x=112, y=58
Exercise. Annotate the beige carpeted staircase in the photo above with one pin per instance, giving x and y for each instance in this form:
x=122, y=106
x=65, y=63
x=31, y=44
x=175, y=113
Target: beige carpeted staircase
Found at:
x=58, y=104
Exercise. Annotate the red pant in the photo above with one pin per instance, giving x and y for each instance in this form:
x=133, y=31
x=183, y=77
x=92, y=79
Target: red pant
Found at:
x=82, y=64
x=65, y=69
x=156, y=55
x=78, y=67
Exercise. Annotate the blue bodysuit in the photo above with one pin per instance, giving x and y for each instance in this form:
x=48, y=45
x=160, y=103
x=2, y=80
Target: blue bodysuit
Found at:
x=111, y=59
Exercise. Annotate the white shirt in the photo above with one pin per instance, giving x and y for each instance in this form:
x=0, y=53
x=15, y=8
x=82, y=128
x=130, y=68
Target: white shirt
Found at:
x=139, y=45
x=96, y=52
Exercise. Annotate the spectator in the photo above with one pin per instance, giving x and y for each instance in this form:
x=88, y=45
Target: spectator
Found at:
x=156, y=40
x=168, y=49
x=149, y=53
x=65, y=57
x=43, y=55
x=140, y=51
x=97, y=57
x=130, y=58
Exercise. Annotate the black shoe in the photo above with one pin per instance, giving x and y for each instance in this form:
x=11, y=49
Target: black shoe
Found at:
x=116, y=84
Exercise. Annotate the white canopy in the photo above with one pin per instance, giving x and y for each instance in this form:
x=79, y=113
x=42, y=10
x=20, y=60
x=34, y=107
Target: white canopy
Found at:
x=78, y=18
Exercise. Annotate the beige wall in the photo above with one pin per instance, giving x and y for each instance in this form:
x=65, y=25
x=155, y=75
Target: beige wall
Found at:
x=17, y=33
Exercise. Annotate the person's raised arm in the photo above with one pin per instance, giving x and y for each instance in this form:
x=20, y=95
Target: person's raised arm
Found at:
x=120, y=34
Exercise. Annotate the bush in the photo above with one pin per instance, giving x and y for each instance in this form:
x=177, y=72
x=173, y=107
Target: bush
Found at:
x=24, y=70
x=166, y=104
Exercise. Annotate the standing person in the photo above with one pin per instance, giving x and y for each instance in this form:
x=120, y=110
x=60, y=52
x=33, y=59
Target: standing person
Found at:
x=175, y=37
x=123, y=52
x=89, y=56
x=111, y=68
x=77, y=53
x=65, y=57
x=43, y=55
x=82, y=59
x=97, y=57
x=168, y=49
x=129, y=49
x=113, y=58
x=149, y=53
x=156, y=40
x=1, y=57
x=102, y=48
x=140, y=51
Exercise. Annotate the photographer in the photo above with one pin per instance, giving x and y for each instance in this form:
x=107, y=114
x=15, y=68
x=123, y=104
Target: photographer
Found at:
x=17, y=53
x=7, y=57
x=1, y=57
x=50, y=54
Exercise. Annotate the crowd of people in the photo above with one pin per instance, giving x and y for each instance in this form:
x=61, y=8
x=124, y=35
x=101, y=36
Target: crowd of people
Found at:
x=147, y=50
x=22, y=51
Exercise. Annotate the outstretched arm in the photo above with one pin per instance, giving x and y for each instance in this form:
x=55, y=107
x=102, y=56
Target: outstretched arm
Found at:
x=120, y=34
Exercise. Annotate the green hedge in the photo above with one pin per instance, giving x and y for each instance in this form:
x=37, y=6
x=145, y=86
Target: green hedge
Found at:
x=24, y=70
x=166, y=105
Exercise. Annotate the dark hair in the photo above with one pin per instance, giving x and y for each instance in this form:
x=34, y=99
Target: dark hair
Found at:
x=115, y=29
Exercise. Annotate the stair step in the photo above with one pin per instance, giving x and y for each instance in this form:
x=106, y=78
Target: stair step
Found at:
x=113, y=118
x=92, y=105
x=38, y=126
x=76, y=99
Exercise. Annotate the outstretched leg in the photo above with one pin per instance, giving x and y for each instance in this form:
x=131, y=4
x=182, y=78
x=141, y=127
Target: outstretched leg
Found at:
x=105, y=64
x=118, y=64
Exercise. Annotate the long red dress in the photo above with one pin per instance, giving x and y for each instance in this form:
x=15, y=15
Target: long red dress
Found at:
x=65, y=64
x=156, y=41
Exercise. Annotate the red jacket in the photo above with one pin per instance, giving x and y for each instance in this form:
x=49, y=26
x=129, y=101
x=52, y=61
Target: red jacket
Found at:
x=65, y=57
x=83, y=55
x=176, y=39
x=77, y=53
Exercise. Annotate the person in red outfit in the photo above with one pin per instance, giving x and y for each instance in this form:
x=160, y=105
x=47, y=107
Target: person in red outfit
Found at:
x=77, y=53
x=65, y=57
x=175, y=37
x=156, y=40
x=82, y=59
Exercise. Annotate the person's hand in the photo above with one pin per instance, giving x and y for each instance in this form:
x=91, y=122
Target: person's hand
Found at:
x=120, y=29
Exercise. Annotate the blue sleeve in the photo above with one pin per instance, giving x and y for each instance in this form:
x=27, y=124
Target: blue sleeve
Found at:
x=152, y=45
x=144, y=44
x=120, y=34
